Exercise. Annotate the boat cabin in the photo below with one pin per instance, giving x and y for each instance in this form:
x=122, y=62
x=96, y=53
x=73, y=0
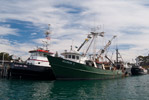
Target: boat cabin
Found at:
x=73, y=56
x=39, y=58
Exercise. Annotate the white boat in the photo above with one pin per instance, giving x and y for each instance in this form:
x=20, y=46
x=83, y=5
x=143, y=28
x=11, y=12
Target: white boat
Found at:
x=36, y=66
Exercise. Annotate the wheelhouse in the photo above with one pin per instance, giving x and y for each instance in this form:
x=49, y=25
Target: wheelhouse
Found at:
x=38, y=57
x=74, y=56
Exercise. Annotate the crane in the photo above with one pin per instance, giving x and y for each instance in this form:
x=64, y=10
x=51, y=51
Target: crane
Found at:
x=105, y=47
x=110, y=60
x=89, y=37
x=85, y=41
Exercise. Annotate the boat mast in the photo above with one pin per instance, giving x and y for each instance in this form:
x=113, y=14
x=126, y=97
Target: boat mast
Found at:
x=118, y=55
x=94, y=36
x=89, y=46
x=47, y=33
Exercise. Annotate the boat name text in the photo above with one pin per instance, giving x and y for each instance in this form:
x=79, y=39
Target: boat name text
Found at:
x=68, y=62
x=16, y=65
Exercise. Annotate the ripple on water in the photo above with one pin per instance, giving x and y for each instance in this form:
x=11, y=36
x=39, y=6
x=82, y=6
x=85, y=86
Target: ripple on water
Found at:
x=130, y=88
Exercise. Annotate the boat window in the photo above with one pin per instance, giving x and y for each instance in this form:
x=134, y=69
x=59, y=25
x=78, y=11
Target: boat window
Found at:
x=44, y=55
x=65, y=56
x=38, y=62
x=40, y=54
x=77, y=57
x=33, y=54
x=69, y=56
x=73, y=56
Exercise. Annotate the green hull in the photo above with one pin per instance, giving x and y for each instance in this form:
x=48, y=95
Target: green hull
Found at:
x=69, y=70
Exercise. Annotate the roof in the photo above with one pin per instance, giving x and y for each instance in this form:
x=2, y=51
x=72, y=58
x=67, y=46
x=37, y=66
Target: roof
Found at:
x=41, y=50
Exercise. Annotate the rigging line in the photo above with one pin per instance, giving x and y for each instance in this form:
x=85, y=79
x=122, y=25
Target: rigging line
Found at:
x=89, y=46
x=94, y=48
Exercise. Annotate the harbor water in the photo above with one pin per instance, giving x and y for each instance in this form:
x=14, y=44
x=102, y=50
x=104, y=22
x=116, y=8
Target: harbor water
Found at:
x=129, y=88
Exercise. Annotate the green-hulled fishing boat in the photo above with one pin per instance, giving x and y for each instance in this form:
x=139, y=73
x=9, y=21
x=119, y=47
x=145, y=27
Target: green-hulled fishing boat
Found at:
x=76, y=66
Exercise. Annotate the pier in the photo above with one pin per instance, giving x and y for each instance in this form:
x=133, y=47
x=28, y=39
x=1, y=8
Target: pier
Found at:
x=4, y=66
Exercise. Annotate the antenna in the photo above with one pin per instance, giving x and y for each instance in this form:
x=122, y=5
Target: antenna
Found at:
x=71, y=47
x=47, y=33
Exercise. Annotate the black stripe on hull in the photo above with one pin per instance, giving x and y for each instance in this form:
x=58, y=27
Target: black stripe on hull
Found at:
x=18, y=70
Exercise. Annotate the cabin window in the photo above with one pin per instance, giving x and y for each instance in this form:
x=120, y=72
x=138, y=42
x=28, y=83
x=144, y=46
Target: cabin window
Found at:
x=65, y=56
x=69, y=56
x=38, y=62
x=44, y=55
x=77, y=57
x=33, y=54
x=40, y=54
x=73, y=56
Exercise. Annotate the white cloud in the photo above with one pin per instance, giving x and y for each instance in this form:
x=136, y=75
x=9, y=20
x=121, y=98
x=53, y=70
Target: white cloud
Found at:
x=17, y=49
x=33, y=33
x=6, y=30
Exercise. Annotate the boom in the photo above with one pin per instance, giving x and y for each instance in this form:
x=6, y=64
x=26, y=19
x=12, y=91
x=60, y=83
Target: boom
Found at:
x=105, y=48
x=89, y=37
x=85, y=41
x=110, y=60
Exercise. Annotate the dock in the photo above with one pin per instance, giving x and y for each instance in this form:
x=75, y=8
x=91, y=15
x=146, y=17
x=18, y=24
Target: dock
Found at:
x=4, y=66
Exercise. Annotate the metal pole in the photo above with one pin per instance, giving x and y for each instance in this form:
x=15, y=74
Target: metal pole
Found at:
x=4, y=70
x=3, y=59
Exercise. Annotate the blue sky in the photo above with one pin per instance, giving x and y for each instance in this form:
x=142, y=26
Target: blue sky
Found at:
x=23, y=23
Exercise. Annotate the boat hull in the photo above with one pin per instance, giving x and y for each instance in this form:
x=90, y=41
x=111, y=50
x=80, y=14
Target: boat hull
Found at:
x=30, y=71
x=138, y=71
x=69, y=70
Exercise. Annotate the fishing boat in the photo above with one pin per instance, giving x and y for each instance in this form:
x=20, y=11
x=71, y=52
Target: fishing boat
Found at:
x=36, y=66
x=81, y=66
x=137, y=69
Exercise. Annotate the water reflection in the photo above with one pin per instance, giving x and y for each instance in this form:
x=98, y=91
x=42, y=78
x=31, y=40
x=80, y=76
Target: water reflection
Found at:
x=131, y=88
x=42, y=90
x=25, y=89
x=80, y=90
